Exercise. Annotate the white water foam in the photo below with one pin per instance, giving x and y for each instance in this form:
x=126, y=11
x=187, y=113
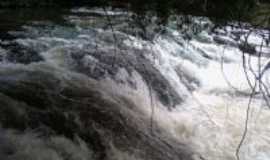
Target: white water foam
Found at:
x=212, y=117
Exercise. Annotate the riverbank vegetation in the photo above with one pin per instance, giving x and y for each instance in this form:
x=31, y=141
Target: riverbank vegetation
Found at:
x=244, y=10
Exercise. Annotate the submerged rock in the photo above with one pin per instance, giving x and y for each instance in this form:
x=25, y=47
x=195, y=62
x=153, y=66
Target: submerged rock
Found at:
x=17, y=53
x=104, y=63
x=248, y=48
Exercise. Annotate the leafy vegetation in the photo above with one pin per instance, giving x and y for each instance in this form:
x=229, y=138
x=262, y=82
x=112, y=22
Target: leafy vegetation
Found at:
x=242, y=10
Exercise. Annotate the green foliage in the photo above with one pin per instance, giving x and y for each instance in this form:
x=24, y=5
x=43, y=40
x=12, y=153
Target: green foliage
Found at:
x=262, y=15
x=241, y=10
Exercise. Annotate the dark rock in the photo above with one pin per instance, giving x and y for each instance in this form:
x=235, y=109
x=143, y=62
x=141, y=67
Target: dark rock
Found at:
x=17, y=53
x=223, y=41
x=248, y=48
x=106, y=63
x=6, y=36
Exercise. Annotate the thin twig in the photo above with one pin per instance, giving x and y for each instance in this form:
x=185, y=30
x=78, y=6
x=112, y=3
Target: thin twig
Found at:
x=246, y=123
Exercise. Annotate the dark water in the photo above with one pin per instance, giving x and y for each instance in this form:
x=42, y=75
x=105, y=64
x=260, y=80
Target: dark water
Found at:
x=14, y=19
x=21, y=16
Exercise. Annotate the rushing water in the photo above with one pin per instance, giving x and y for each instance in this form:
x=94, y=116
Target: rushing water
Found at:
x=95, y=85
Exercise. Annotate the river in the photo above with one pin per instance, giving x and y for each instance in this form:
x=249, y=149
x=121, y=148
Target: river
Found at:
x=93, y=83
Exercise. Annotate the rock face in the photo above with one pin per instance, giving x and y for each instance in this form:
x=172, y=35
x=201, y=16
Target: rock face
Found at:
x=64, y=114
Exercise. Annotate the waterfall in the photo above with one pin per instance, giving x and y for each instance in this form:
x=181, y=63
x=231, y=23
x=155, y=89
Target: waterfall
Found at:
x=85, y=90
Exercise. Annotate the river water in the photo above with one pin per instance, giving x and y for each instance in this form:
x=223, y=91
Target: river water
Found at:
x=95, y=84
